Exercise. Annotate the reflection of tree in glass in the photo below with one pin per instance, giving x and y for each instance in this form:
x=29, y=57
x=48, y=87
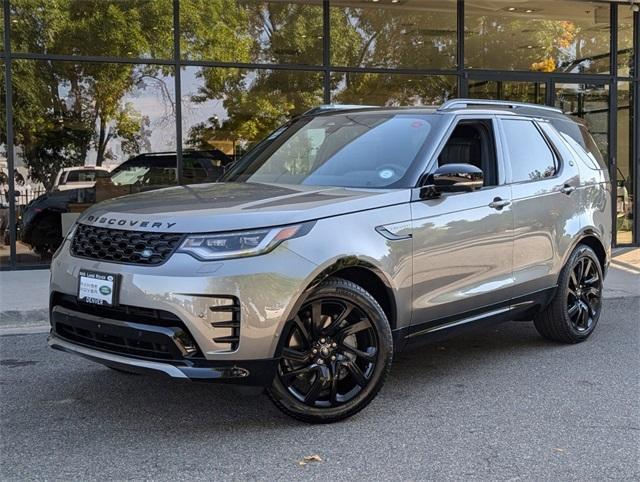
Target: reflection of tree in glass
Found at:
x=535, y=44
x=387, y=37
x=256, y=101
x=64, y=110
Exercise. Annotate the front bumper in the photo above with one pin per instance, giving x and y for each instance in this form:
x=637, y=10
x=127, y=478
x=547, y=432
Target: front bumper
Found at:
x=248, y=372
x=211, y=299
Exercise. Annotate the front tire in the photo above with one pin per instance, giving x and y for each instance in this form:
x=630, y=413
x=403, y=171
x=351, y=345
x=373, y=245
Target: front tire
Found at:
x=575, y=309
x=336, y=354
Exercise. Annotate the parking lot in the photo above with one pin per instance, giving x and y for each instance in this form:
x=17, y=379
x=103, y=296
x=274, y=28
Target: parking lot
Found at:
x=501, y=404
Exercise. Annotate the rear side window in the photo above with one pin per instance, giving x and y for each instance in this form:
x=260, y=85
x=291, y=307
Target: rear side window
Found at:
x=530, y=156
x=580, y=134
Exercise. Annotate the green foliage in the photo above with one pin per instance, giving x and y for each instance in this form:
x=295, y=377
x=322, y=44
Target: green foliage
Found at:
x=62, y=110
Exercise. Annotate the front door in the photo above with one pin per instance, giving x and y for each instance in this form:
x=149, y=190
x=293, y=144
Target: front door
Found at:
x=463, y=242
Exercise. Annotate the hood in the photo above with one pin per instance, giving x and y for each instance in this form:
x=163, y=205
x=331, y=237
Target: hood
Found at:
x=231, y=206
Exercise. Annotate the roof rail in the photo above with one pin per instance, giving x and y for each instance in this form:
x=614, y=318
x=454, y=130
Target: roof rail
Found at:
x=460, y=103
x=329, y=107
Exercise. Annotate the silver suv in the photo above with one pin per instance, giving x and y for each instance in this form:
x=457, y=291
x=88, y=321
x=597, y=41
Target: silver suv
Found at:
x=346, y=235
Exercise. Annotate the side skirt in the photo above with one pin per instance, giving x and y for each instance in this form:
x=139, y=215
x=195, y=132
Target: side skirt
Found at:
x=522, y=308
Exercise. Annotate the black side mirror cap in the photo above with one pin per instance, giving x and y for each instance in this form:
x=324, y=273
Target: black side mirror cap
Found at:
x=455, y=178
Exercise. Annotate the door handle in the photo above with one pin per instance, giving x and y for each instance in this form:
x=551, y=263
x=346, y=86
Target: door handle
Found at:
x=567, y=189
x=498, y=203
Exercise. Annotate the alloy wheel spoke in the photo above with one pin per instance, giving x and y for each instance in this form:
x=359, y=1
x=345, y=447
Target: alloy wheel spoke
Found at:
x=333, y=390
x=359, y=353
x=573, y=279
x=356, y=373
x=299, y=371
x=580, y=267
x=583, y=320
x=589, y=306
x=592, y=280
x=302, y=329
x=295, y=355
x=586, y=269
x=337, y=321
x=363, y=324
x=574, y=309
x=316, y=318
x=594, y=292
x=314, y=391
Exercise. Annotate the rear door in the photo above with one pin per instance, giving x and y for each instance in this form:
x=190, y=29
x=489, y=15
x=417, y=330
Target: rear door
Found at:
x=544, y=203
x=463, y=242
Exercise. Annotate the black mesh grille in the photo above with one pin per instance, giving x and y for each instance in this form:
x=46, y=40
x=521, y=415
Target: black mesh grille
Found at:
x=117, y=245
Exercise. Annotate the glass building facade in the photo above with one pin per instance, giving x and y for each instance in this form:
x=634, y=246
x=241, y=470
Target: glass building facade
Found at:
x=102, y=98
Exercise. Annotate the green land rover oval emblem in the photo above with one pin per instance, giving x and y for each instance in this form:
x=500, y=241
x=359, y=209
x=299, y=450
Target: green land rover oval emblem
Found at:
x=105, y=290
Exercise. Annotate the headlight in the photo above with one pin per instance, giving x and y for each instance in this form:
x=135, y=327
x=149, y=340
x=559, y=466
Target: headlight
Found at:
x=238, y=244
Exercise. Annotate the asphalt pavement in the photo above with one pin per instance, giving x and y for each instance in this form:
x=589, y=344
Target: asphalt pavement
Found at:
x=502, y=404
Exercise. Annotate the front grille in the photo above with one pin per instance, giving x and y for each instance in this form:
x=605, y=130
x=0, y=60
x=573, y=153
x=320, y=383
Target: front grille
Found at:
x=120, y=246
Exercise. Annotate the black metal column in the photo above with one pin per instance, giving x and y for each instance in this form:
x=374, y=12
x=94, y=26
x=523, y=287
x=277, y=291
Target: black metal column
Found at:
x=178, y=88
x=326, y=51
x=10, y=141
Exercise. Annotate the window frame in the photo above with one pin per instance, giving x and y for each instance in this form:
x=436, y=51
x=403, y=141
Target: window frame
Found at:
x=557, y=160
x=432, y=164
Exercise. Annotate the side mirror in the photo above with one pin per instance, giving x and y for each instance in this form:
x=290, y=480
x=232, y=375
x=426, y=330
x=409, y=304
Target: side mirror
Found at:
x=456, y=178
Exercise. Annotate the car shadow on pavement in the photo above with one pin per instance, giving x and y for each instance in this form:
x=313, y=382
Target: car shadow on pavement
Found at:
x=178, y=407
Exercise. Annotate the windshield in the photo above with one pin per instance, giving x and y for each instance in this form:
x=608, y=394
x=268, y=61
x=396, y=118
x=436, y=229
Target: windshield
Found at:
x=362, y=149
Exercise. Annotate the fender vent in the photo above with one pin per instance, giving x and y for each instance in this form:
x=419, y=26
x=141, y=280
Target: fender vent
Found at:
x=226, y=322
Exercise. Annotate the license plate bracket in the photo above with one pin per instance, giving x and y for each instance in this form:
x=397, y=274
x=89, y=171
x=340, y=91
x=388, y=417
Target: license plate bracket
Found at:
x=97, y=288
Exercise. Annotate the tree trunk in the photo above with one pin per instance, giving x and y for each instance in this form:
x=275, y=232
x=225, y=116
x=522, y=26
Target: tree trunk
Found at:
x=103, y=138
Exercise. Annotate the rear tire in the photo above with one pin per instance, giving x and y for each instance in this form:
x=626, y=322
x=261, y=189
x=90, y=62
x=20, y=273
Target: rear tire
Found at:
x=575, y=308
x=336, y=355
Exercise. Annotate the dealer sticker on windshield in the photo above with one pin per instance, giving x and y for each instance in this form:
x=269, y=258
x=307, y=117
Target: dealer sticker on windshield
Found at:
x=97, y=288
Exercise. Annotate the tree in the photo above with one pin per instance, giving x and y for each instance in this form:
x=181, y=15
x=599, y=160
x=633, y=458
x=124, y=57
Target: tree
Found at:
x=64, y=110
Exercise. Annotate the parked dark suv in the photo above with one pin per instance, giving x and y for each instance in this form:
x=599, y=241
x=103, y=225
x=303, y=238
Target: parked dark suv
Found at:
x=344, y=237
x=41, y=225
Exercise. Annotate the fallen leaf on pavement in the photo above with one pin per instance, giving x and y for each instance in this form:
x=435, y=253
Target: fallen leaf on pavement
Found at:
x=309, y=458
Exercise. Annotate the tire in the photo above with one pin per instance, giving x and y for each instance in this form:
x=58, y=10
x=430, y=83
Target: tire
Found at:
x=353, y=347
x=575, y=308
x=46, y=237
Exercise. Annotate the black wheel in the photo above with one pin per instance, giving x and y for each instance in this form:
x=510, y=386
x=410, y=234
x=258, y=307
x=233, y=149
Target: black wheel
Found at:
x=573, y=313
x=336, y=354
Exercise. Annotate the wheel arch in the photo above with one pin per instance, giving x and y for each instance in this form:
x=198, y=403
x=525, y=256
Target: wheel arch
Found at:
x=363, y=273
x=591, y=238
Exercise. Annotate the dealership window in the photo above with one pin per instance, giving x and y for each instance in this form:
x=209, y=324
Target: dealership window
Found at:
x=391, y=89
x=625, y=40
x=243, y=31
x=416, y=34
x=114, y=28
x=82, y=117
x=228, y=109
x=589, y=102
x=540, y=35
x=532, y=92
x=625, y=189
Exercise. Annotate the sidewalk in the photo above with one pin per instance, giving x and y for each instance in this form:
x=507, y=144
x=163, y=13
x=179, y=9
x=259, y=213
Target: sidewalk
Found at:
x=24, y=294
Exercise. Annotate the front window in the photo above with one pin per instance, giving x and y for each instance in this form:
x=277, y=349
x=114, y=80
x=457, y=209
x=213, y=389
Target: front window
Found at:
x=364, y=149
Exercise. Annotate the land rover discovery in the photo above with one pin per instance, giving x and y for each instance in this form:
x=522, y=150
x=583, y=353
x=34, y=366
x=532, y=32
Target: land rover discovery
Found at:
x=345, y=236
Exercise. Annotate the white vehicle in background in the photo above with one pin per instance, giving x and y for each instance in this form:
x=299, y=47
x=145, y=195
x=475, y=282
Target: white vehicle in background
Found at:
x=78, y=177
